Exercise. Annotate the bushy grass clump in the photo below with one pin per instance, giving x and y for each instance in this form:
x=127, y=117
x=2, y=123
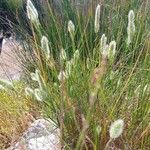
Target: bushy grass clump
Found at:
x=87, y=84
x=89, y=76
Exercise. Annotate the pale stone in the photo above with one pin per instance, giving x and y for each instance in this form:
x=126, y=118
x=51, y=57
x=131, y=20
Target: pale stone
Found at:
x=41, y=135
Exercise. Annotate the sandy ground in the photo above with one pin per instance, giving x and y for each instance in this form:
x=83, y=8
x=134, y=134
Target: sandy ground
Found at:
x=9, y=63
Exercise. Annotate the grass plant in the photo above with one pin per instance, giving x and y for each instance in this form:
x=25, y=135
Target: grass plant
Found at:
x=85, y=85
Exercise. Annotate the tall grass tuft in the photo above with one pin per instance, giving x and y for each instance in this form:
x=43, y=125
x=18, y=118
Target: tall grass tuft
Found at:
x=90, y=80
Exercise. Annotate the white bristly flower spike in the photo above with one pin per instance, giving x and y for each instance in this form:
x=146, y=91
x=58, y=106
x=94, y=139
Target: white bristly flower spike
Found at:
x=105, y=51
x=88, y=63
x=112, y=49
x=32, y=12
x=68, y=68
x=29, y=91
x=116, y=129
x=71, y=28
x=63, y=55
x=103, y=41
x=37, y=77
x=40, y=95
x=76, y=54
x=45, y=47
x=104, y=46
x=2, y=87
x=34, y=76
x=6, y=84
x=131, y=26
x=98, y=129
x=97, y=18
x=75, y=58
x=62, y=76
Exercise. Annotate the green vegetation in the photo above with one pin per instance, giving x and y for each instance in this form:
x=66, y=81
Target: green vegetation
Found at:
x=85, y=84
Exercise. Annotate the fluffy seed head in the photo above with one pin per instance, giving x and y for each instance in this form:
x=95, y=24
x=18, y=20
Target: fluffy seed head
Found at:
x=88, y=63
x=112, y=49
x=39, y=94
x=116, y=129
x=6, y=84
x=131, y=16
x=63, y=55
x=2, y=87
x=105, y=51
x=98, y=129
x=68, y=68
x=104, y=47
x=131, y=26
x=75, y=57
x=146, y=89
x=45, y=47
x=76, y=54
x=35, y=76
x=103, y=41
x=29, y=91
x=97, y=18
x=32, y=12
x=62, y=76
x=71, y=28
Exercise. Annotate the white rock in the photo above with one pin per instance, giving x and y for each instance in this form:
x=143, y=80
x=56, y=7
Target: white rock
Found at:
x=41, y=135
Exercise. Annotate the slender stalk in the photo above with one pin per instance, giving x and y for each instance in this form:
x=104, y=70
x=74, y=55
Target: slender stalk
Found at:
x=107, y=144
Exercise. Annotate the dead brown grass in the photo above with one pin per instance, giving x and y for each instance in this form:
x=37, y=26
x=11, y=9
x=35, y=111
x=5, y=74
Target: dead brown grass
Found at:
x=16, y=114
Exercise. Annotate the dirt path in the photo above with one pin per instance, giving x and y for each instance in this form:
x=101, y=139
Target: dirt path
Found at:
x=9, y=65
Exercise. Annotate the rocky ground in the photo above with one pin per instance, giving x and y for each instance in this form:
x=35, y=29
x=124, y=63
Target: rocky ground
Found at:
x=42, y=134
x=9, y=62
